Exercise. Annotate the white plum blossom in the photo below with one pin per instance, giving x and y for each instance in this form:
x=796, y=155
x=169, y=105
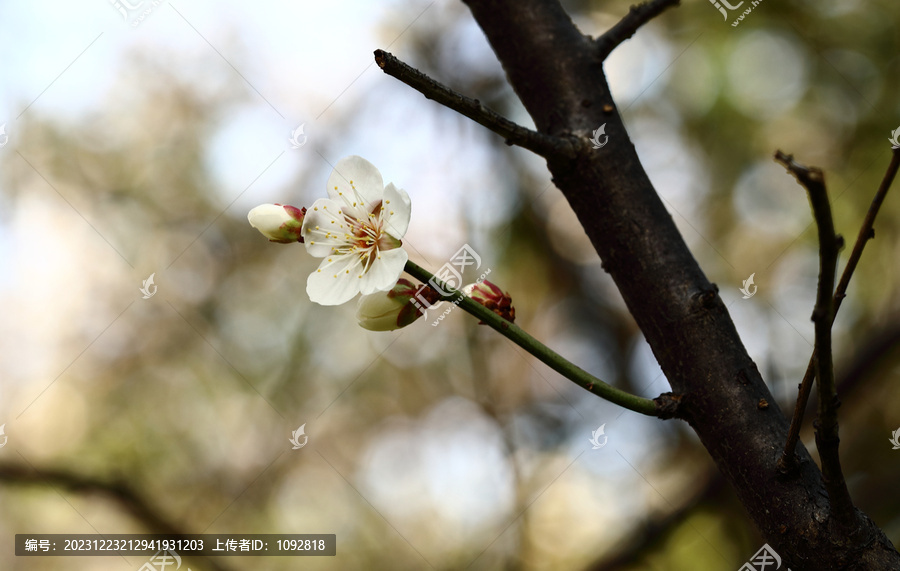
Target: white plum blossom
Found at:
x=357, y=231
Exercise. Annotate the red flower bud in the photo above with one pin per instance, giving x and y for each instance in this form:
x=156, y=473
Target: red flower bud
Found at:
x=493, y=298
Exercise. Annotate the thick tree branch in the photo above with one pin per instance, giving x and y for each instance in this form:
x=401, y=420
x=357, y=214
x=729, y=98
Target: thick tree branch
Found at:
x=626, y=27
x=539, y=143
x=116, y=490
x=827, y=439
x=555, y=71
x=866, y=232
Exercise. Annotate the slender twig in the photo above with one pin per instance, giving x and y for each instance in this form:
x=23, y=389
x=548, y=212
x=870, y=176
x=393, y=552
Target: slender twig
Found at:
x=555, y=361
x=117, y=490
x=514, y=134
x=827, y=440
x=866, y=233
x=788, y=462
x=626, y=27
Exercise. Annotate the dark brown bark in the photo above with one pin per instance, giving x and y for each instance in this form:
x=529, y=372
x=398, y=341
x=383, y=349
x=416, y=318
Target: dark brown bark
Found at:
x=559, y=78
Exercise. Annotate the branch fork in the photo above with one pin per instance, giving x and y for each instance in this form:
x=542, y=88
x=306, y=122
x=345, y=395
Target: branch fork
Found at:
x=828, y=300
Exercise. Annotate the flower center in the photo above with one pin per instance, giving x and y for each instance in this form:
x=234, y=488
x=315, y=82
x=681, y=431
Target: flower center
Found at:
x=367, y=237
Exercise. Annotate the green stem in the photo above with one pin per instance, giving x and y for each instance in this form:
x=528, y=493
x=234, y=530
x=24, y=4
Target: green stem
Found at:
x=518, y=336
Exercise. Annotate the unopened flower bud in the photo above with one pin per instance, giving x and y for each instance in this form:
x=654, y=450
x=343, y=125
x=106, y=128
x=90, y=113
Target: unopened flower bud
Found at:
x=493, y=298
x=388, y=310
x=278, y=222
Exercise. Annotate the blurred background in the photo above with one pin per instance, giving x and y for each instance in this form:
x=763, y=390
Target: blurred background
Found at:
x=137, y=135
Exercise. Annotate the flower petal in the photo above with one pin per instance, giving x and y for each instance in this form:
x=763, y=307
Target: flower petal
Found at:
x=384, y=271
x=395, y=211
x=324, y=228
x=351, y=174
x=336, y=281
x=267, y=216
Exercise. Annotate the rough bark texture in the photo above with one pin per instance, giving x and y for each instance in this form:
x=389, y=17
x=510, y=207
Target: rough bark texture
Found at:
x=558, y=76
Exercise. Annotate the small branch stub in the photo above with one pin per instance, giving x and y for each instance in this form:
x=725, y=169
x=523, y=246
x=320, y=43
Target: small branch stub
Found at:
x=668, y=405
x=626, y=27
